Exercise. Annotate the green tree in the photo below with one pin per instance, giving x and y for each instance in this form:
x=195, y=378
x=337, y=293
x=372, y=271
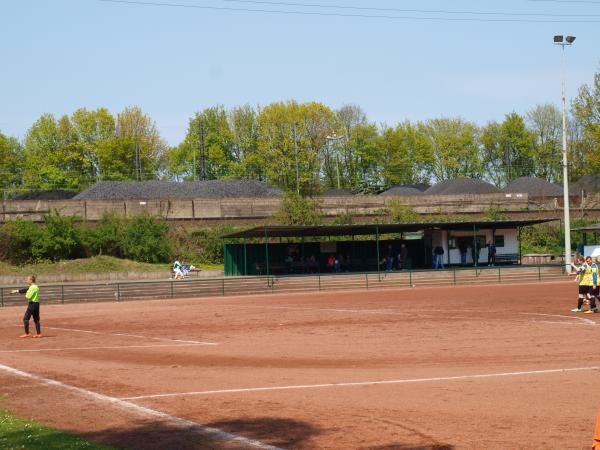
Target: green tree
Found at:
x=11, y=162
x=454, y=148
x=135, y=129
x=246, y=162
x=508, y=150
x=291, y=133
x=406, y=155
x=586, y=109
x=366, y=167
x=545, y=122
x=54, y=157
x=218, y=146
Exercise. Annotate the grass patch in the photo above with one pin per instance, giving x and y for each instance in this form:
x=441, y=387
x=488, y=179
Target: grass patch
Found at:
x=99, y=264
x=16, y=433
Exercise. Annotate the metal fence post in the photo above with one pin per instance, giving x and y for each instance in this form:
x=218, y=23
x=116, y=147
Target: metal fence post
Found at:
x=62, y=294
x=172, y=290
x=499, y=275
x=319, y=281
x=539, y=273
x=2, y=297
x=454, y=273
x=367, y=280
x=223, y=287
x=410, y=278
x=118, y=292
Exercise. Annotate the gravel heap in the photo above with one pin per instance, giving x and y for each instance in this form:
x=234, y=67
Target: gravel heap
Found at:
x=145, y=190
x=337, y=193
x=587, y=183
x=462, y=186
x=402, y=190
x=534, y=187
x=56, y=194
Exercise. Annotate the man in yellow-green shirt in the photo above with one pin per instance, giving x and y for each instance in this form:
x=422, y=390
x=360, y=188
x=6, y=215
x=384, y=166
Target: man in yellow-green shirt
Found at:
x=32, y=294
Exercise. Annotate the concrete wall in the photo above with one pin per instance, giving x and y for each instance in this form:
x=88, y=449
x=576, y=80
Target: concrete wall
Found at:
x=260, y=208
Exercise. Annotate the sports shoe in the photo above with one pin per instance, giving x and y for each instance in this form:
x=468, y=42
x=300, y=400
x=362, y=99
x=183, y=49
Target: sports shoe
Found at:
x=576, y=310
x=37, y=336
x=24, y=335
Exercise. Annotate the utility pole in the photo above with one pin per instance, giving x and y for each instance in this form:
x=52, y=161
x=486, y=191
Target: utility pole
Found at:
x=203, y=173
x=194, y=166
x=296, y=158
x=138, y=162
x=560, y=40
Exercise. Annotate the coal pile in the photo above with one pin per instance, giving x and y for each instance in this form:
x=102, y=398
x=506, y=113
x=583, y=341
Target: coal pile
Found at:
x=587, y=184
x=462, y=186
x=55, y=194
x=534, y=187
x=147, y=190
x=405, y=190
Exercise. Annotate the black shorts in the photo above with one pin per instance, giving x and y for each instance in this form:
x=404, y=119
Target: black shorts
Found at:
x=33, y=309
x=595, y=291
x=584, y=290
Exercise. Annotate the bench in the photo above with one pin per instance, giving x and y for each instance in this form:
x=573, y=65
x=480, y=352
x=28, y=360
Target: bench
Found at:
x=507, y=258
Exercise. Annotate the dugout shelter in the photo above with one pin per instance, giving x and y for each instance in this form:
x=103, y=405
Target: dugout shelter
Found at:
x=294, y=250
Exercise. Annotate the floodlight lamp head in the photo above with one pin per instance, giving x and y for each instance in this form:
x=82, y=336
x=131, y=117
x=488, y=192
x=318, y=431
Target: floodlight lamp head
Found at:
x=570, y=39
x=558, y=39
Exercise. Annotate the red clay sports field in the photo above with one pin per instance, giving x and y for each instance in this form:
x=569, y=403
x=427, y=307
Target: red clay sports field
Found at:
x=473, y=367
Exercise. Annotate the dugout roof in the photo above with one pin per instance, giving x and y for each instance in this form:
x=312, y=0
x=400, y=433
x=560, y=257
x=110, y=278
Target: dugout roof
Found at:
x=376, y=229
x=593, y=228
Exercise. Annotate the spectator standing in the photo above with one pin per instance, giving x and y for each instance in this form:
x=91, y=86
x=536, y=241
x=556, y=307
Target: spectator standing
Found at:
x=462, y=247
x=491, y=253
x=438, y=257
x=402, y=257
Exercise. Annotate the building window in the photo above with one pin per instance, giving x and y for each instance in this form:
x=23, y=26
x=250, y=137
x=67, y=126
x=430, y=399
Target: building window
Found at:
x=499, y=240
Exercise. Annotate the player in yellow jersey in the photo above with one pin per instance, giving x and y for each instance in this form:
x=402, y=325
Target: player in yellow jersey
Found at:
x=595, y=290
x=586, y=283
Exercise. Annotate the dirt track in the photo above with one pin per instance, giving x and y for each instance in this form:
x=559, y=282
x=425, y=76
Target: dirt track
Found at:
x=459, y=367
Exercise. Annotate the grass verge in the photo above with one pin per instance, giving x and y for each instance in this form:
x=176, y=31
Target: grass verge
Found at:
x=98, y=264
x=16, y=433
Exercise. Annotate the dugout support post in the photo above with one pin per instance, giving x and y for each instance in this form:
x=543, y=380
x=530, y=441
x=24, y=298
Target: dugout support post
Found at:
x=245, y=260
x=267, y=252
x=378, y=257
x=475, y=252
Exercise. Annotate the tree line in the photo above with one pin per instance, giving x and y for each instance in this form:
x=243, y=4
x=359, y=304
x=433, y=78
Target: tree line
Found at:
x=302, y=147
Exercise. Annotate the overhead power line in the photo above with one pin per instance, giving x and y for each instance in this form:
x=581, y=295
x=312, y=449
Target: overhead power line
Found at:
x=585, y=2
x=420, y=11
x=351, y=15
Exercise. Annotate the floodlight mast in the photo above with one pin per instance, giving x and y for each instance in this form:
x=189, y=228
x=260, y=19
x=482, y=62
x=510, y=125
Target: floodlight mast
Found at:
x=560, y=40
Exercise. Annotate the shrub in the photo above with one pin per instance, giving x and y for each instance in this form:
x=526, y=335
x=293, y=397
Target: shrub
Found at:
x=298, y=210
x=399, y=213
x=541, y=238
x=208, y=244
x=58, y=239
x=106, y=237
x=145, y=239
x=19, y=238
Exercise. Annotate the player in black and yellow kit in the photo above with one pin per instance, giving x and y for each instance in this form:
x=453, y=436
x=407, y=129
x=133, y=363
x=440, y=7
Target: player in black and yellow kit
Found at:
x=32, y=294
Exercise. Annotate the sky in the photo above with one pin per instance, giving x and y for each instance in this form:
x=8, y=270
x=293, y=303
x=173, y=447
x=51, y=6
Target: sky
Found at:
x=173, y=61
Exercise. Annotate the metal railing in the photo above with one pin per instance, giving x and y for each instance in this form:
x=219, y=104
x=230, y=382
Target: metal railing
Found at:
x=252, y=285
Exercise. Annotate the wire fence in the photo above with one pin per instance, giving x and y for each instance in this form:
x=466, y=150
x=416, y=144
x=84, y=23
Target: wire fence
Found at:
x=256, y=285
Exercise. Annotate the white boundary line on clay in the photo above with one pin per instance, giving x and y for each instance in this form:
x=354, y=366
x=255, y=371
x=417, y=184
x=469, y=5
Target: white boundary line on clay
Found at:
x=581, y=319
x=132, y=335
x=367, y=383
x=115, y=347
x=209, y=432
